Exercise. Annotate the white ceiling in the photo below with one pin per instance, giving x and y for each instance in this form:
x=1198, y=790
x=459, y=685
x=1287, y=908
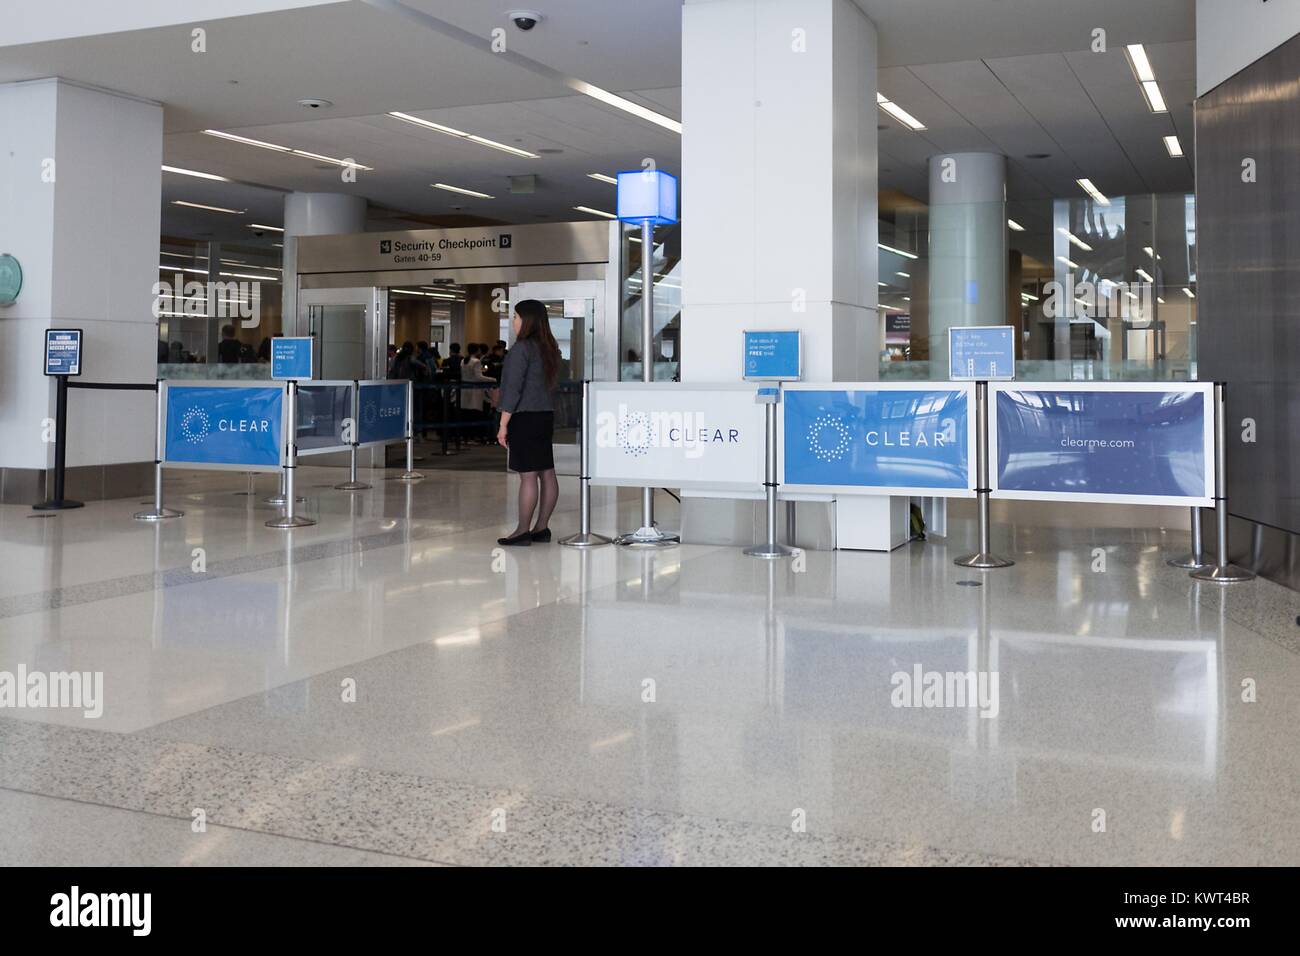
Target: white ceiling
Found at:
x=982, y=74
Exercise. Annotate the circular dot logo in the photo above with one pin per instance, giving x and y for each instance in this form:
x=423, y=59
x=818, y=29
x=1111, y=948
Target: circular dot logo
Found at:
x=194, y=425
x=634, y=434
x=370, y=414
x=828, y=439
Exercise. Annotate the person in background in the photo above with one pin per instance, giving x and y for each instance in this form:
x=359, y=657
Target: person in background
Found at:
x=163, y=352
x=264, y=352
x=496, y=357
x=451, y=366
x=228, y=349
x=392, y=357
x=528, y=382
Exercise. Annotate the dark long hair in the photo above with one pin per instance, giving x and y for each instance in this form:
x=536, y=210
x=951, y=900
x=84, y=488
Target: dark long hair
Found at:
x=535, y=324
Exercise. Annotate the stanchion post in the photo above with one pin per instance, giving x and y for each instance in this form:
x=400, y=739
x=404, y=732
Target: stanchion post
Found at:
x=58, y=502
x=1222, y=571
x=158, y=512
x=352, y=484
x=1195, y=559
x=983, y=559
x=585, y=538
x=410, y=474
x=290, y=518
x=769, y=548
x=648, y=533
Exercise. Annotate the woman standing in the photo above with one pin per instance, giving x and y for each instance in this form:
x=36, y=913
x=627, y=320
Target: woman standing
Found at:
x=527, y=403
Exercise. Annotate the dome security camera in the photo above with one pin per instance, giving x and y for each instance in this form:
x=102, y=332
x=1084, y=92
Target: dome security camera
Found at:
x=525, y=19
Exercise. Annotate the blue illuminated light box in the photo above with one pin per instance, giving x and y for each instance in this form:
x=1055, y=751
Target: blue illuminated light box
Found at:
x=647, y=195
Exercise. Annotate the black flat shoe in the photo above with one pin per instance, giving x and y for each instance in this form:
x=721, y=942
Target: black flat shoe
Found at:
x=543, y=535
x=519, y=540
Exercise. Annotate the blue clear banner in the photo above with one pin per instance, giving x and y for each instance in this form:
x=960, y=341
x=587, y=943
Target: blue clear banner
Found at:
x=231, y=425
x=772, y=356
x=1148, y=445
x=881, y=440
x=383, y=412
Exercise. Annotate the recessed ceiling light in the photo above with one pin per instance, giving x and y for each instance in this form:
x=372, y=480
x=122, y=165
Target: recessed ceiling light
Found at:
x=1174, y=147
x=199, y=205
x=1146, y=77
x=626, y=105
x=1015, y=226
x=1072, y=265
x=275, y=147
x=195, y=173
x=909, y=255
x=314, y=104
x=258, y=225
x=596, y=212
x=898, y=113
x=1074, y=239
x=603, y=178
x=905, y=275
x=463, y=192
x=1155, y=99
x=1096, y=194
x=1189, y=293
x=461, y=134
x=1145, y=275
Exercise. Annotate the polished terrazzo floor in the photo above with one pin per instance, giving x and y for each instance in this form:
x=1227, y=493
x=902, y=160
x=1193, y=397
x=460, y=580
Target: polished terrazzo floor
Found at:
x=686, y=706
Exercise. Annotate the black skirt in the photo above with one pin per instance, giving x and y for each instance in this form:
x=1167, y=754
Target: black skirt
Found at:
x=529, y=436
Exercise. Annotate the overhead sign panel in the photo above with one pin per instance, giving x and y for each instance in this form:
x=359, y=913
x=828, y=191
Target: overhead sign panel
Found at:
x=1144, y=443
x=883, y=439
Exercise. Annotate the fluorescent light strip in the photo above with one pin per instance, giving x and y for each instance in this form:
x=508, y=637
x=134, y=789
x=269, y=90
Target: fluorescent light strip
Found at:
x=905, y=275
x=463, y=192
x=461, y=134
x=1074, y=239
x=1028, y=297
x=1189, y=293
x=909, y=255
x=627, y=106
x=900, y=114
x=199, y=205
x=258, y=225
x=1174, y=147
x=1144, y=274
x=1015, y=225
x=603, y=178
x=596, y=212
x=1155, y=99
x=195, y=173
x=1137, y=59
x=274, y=147
x=1072, y=265
x=1096, y=194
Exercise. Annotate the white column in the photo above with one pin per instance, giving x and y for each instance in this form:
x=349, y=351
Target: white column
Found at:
x=968, y=247
x=80, y=209
x=779, y=217
x=779, y=184
x=313, y=214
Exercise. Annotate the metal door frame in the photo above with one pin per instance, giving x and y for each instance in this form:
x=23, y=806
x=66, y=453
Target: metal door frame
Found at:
x=375, y=301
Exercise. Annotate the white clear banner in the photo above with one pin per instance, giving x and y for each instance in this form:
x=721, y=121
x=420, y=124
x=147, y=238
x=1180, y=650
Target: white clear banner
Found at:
x=676, y=435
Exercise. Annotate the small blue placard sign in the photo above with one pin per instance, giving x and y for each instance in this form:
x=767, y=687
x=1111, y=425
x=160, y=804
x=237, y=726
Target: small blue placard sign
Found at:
x=291, y=357
x=984, y=353
x=383, y=412
x=772, y=356
x=63, y=351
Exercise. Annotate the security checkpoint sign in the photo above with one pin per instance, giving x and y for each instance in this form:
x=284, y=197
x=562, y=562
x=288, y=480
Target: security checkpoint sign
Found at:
x=677, y=435
x=879, y=439
x=224, y=426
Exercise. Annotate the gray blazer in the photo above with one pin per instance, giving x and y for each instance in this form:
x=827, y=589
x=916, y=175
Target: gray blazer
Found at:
x=523, y=380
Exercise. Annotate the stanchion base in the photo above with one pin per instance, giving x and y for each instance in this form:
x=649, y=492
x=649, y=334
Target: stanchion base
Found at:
x=983, y=561
x=1189, y=562
x=1223, y=574
x=770, y=553
x=297, y=521
x=157, y=514
x=352, y=486
x=280, y=500
x=61, y=505
x=408, y=476
x=650, y=537
x=588, y=540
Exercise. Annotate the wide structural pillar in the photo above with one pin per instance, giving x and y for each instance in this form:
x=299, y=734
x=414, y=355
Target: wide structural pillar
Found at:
x=80, y=181
x=779, y=209
x=968, y=247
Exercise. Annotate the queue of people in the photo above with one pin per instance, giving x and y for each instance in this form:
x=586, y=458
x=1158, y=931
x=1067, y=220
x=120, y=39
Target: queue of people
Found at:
x=480, y=365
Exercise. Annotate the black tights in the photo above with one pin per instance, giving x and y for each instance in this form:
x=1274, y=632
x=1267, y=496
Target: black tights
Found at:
x=532, y=486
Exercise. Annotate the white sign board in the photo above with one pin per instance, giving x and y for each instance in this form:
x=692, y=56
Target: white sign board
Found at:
x=676, y=435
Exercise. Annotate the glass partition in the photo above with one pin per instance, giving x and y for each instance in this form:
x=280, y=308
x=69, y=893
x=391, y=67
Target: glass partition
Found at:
x=666, y=271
